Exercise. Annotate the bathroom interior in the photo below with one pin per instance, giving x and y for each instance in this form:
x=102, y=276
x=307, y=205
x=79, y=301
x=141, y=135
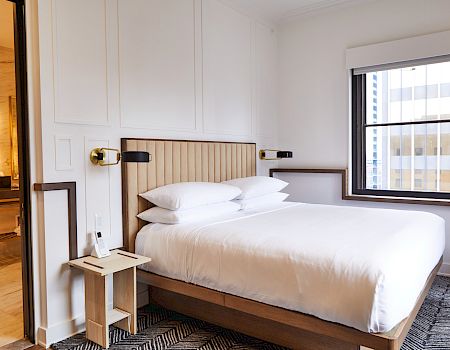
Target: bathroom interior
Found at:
x=11, y=310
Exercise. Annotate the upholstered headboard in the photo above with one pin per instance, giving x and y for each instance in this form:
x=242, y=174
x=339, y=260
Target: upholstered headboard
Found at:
x=177, y=161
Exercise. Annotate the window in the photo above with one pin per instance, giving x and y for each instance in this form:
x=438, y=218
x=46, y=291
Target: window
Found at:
x=400, y=120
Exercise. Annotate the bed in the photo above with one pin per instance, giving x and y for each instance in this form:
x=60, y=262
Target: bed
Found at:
x=294, y=303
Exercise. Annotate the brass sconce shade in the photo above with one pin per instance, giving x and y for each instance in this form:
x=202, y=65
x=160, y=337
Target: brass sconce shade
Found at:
x=98, y=156
x=274, y=154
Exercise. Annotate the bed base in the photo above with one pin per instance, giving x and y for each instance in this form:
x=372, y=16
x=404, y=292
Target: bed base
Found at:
x=270, y=323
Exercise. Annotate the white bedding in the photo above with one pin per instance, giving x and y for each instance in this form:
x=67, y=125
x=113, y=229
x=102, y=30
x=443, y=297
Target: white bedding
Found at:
x=359, y=267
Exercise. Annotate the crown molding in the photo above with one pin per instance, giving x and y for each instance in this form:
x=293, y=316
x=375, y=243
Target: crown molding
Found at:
x=319, y=7
x=250, y=14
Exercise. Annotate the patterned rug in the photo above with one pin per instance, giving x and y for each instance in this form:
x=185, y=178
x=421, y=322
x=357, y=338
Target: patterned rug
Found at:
x=163, y=329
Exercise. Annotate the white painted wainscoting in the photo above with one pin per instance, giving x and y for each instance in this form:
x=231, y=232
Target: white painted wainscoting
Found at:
x=108, y=69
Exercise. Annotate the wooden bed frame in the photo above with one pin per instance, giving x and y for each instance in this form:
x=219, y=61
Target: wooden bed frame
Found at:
x=181, y=161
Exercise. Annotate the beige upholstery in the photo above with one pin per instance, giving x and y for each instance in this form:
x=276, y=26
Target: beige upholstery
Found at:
x=177, y=161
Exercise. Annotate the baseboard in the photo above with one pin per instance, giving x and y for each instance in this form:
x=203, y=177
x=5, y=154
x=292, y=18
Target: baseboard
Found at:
x=46, y=336
x=444, y=270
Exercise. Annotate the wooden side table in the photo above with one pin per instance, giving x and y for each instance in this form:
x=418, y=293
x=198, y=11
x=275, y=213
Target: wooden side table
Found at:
x=122, y=265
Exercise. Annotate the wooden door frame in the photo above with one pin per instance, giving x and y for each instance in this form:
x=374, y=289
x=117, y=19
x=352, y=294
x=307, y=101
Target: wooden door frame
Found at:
x=20, y=60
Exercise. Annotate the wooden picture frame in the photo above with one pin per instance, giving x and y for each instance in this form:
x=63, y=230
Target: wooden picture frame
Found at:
x=13, y=136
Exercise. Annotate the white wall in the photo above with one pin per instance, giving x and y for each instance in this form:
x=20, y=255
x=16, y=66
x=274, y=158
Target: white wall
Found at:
x=105, y=69
x=187, y=69
x=314, y=86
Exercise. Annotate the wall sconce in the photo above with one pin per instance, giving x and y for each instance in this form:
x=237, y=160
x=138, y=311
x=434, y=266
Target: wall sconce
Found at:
x=274, y=154
x=98, y=156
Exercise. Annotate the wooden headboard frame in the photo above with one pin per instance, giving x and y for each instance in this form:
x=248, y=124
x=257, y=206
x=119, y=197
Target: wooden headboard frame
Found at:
x=177, y=161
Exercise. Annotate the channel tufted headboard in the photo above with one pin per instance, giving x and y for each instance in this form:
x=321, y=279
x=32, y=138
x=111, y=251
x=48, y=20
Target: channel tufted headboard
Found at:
x=177, y=161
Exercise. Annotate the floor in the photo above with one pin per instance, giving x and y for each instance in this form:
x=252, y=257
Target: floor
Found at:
x=160, y=328
x=11, y=315
x=23, y=344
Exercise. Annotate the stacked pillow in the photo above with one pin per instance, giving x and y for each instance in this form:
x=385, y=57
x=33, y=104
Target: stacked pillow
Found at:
x=189, y=201
x=193, y=201
x=258, y=191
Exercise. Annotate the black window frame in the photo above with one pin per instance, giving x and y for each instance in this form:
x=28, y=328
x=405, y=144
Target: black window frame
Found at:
x=358, y=134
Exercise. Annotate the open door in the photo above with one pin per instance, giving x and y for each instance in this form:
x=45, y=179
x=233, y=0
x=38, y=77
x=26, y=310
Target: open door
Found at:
x=16, y=279
x=24, y=167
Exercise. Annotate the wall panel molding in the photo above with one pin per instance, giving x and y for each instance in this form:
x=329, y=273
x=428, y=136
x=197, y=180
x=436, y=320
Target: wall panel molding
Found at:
x=94, y=91
x=63, y=153
x=98, y=189
x=227, y=70
x=198, y=66
x=265, y=81
x=158, y=70
x=80, y=61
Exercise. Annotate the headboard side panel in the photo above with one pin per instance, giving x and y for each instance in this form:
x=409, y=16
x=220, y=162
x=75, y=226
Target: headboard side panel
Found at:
x=177, y=161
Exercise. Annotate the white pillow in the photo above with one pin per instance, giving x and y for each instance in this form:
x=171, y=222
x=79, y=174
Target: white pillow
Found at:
x=255, y=186
x=261, y=201
x=166, y=216
x=185, y=195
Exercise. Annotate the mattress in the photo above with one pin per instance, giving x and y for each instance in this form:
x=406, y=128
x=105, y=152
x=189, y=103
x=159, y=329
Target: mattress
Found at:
x=361, y=267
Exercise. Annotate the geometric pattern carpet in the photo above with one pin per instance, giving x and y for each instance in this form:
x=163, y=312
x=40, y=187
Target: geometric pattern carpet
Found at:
x=431, y=328
x=163, y=329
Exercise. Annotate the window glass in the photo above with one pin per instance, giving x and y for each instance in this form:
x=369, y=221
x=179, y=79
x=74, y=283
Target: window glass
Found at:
x=407, y=129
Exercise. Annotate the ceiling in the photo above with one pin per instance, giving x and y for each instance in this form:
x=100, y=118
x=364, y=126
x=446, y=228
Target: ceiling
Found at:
x=278, y=10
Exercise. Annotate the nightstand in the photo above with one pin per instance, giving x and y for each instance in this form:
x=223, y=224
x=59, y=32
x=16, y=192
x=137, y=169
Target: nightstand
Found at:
x=122, y=265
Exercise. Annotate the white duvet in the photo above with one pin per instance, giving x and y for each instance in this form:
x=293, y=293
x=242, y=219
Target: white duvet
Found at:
x=360, y=267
